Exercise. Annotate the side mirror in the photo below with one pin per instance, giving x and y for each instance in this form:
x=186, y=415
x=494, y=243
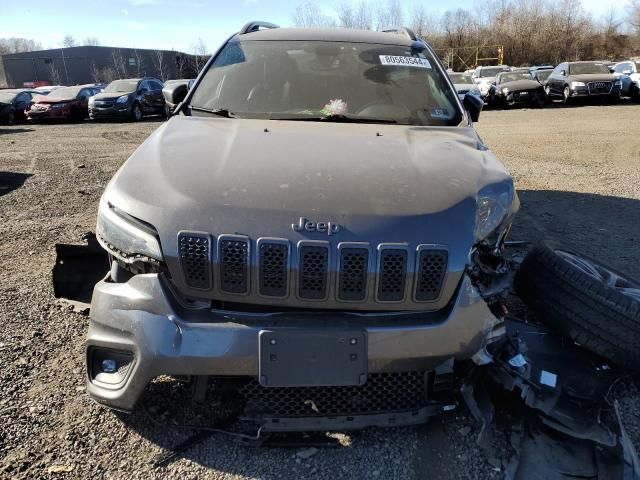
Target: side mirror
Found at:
x=563, y=72
x=473, y=104
x=175, y=93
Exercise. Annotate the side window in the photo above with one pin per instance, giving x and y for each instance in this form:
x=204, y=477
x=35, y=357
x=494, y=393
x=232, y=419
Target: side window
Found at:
x=620, y=67
x=144, y=87
x=155, y=85
x=84, y=94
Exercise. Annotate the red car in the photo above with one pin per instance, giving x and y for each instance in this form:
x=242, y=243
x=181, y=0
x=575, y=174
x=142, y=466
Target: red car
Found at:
x=68, y=103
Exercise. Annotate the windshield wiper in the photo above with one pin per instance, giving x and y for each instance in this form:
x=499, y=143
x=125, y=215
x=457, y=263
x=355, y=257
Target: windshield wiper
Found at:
x=222, y=112
x=333, y=118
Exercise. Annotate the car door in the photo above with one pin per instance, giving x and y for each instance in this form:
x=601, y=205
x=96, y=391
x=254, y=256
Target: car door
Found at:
x=145, y=96
x=157, y=96
x=20, y=104
x=83, y=101
x=557, y=79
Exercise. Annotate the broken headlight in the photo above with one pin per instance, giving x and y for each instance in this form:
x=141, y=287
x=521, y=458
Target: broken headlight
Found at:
x=493, y=206
x=126, y=238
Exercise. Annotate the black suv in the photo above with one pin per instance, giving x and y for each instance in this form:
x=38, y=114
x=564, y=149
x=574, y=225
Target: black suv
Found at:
x=130, y=98
x=573, y=80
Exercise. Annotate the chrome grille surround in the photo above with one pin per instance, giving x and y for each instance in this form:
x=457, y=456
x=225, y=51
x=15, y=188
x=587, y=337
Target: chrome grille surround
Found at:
x=274, y=265
x=600, y=88
x=353, y=271
x=432, y=263
x=233, y=260
x=195, y=259
x=313, y=271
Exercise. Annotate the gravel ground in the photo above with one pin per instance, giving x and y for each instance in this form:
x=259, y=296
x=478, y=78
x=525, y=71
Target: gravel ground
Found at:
x=578, y=173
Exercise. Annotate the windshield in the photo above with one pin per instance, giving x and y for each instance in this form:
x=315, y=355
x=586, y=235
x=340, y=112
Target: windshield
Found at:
x=461, y=78
x=316, y=80
x=542, y=75
x=513, y=77
x=7, y=97
x=67, y=93
x=122, y=86
x=491, y=72
x=586, y=68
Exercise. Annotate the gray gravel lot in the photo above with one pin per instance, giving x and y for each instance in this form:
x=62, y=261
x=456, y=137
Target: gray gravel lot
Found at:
x=578, y=172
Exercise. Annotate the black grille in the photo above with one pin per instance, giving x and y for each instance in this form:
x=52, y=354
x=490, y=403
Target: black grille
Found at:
x=195, y=256
x=382, y=393
x=354, y=263
x=233, y=266
x=314, y=262
x=393, y=273
x=274, y=259
x=432, y=266
x=599, y=87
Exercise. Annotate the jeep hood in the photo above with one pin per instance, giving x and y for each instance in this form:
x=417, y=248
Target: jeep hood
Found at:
x=380, y=183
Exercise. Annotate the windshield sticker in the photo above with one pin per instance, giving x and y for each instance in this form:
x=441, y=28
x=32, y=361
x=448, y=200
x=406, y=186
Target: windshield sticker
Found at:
x=404, y=61
x=440, y=113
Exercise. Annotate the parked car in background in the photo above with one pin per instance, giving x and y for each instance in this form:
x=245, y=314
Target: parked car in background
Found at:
x=574, y=80
x=484, y=77
x=68, y=103
x=130, y=98
x=464, y=84
x=48, y=89
x=628, y=72
x=13, y=103
x=184, y=83
x=517, y=88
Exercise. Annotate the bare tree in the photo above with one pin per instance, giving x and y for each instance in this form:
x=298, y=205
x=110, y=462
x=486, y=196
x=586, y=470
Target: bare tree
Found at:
x=68, y=41
x=91, y=42
x=140, y=66
x=390, y=15
x=309, y=15
x=119, y=64
x=355, y=15
x=200, y=55
x=54, y=74
x=18, y=45
x=160, y=64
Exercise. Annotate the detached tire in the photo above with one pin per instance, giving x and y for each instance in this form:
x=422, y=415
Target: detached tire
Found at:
x=593, y=304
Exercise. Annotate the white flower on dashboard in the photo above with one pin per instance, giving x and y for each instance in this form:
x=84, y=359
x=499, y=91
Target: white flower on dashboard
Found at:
x=335, y=107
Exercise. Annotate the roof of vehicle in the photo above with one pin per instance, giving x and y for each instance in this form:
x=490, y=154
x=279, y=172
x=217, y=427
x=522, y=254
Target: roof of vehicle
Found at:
x=588, y=61
x=329, y=35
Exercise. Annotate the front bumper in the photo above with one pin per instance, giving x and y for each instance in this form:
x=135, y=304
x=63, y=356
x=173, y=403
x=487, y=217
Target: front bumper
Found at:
x=585, y=92
x=115, y=111
x=142, y=323
x=49, y=114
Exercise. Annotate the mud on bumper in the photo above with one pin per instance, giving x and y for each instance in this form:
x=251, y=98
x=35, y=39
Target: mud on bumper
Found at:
x=139, y=331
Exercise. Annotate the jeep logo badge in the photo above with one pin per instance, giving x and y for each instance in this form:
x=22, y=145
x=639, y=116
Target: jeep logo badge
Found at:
x=305, y=225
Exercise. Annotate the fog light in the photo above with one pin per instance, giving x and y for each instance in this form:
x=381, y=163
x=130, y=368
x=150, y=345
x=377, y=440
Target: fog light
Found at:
x=108, y=365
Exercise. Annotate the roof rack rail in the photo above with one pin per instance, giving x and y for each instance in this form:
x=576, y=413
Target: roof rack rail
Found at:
x=402, y=31
x=255, y=26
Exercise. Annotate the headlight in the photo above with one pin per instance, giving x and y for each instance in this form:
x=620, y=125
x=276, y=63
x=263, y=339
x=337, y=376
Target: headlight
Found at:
x=577, y=84
x=618, y=83
x=494, y=203
x=122, y=99
x=124, y=237
x=505, y=90
x=57, y=105
x=92, y=101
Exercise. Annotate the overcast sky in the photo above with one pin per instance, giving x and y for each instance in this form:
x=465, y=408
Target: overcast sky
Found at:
x=168, y=24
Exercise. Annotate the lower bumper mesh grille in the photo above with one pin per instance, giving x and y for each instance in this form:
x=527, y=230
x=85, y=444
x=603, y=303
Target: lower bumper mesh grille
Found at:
x=382, y=393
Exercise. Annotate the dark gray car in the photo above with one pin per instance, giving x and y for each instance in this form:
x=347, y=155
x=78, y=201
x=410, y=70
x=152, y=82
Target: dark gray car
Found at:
x=517, y=88
x=573, y=80
x=130, y=99
x=301, y=232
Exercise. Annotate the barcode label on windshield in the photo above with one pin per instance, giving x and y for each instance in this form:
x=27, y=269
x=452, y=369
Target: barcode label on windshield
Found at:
x=404, y=61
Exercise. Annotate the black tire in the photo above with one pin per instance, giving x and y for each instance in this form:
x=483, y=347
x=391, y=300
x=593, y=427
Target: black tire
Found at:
x=136, y=112
x=11, y=118
x=599, y=317
x=566, y=95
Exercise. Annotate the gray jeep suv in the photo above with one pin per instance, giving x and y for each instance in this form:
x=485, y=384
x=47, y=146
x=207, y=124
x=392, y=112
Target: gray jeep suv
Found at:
x=302, y=230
